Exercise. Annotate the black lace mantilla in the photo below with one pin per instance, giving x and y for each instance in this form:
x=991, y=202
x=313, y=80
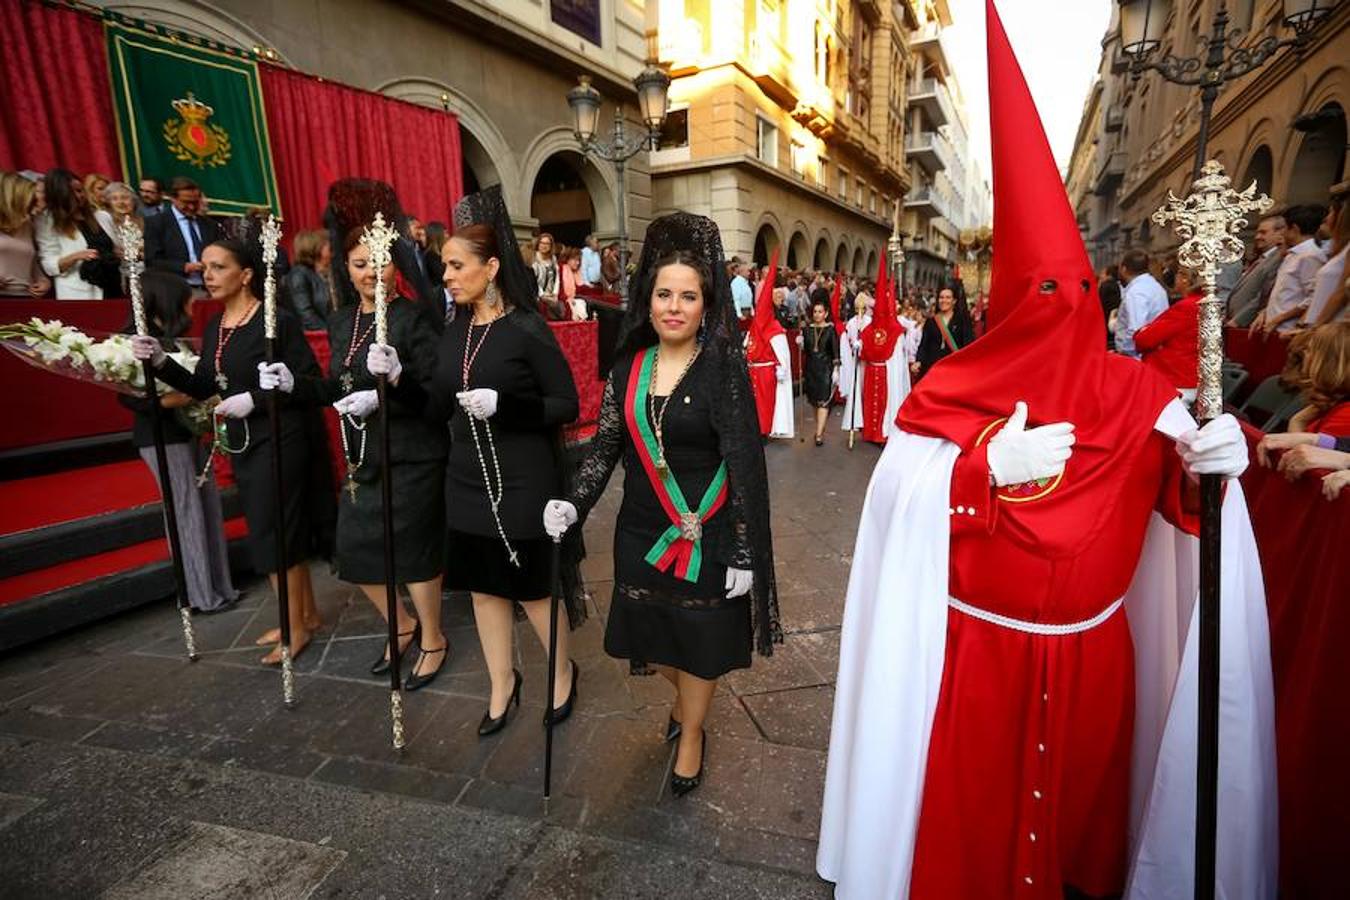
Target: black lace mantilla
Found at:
x=733, y=414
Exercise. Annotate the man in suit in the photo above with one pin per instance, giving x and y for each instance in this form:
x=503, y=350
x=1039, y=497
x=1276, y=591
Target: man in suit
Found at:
x=174, y=240
x=1252, y=290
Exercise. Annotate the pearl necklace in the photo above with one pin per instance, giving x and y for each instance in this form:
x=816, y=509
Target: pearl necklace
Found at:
x=346, y=380
x=352, y=465
x=494, y=496
x=223, y=336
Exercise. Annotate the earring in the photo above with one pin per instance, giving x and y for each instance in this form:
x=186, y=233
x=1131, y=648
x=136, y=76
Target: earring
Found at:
x=493, y=297
x=702, y=328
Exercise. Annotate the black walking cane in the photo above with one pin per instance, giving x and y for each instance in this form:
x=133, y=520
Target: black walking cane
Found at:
x=271, y=234
x=555, y=593
x=131, y=252
x=377, y=238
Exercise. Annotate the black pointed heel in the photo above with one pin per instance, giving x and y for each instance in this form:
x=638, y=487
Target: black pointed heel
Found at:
x=414, y=681
x=561, y=713
x=489, y=725
x=381, y=665
x=679, y=784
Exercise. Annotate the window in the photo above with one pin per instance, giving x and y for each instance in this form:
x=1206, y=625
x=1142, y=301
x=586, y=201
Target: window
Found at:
x=862, y=193
x=843, y=183
x=766, y=147
x=675, y=130
x=872, y=204
x=823, y=173
x=798, y=157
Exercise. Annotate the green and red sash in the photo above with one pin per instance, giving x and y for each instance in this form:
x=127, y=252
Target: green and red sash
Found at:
x=946, y=334
x=677, y=545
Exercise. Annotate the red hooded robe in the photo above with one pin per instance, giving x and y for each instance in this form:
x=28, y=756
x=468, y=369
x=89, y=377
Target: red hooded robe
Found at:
x=759, y=353
x=878, y=346
x=1027, y=782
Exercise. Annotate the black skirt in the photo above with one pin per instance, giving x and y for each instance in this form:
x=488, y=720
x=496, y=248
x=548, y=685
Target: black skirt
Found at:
x=419, y=524
x=480, y=564
x=253, y=472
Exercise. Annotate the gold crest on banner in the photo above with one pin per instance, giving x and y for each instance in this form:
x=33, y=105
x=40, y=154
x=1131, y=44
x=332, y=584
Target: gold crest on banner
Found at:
x=192, y=139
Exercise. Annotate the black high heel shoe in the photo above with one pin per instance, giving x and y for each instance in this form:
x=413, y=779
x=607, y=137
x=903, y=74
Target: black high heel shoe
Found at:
x=489, y=725
x=414, y=681
x=381, y=665
x=679, y=784
x=560, y=713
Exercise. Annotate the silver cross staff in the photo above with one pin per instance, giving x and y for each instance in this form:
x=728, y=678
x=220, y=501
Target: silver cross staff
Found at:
x=1208, y=220
x=378, y=238
x=271, y=235
x=129, y=233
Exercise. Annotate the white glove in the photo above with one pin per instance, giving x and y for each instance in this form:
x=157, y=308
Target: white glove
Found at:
x=559, y=515
x=481, y=403
x=144, y=347
x=358, y=404
x=782, y=374
x=272, y=376
x=800, y=342
x=739, y=582
x=1217, y=449
x=382, y=359
x=239, y=406
x=1018, y=454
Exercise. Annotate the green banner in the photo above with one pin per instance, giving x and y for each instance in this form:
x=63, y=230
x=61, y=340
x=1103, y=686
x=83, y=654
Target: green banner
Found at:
x=189, y=110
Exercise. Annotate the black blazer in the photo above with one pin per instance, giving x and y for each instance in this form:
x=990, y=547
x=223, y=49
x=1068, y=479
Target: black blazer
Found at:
x=165, y=248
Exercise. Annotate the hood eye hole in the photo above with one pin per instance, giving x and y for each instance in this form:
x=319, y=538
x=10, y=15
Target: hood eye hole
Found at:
x=1087, y=288
x=1048, y=286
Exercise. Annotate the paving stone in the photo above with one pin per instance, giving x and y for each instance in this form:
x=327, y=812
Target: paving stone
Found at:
x=392, y=779
x=810, y=610
x=798, y=718
x=39, y=724
x=13, y=806
x=821, y=650
x=139, y=739
x=261, y=755
x=215, y=861
x=787, y=668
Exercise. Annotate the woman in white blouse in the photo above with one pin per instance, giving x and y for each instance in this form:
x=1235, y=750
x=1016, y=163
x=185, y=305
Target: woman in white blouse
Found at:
x=72, y=246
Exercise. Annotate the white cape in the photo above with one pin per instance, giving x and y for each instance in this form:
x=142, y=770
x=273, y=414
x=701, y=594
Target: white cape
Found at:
x=897, y=383
x=784, y=413
x=890, y=672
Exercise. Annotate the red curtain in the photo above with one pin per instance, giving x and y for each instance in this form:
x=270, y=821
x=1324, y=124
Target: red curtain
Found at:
x=323, y=131
x=54, y=91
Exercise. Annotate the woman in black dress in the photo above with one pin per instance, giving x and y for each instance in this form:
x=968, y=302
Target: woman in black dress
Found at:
x=694, y=590
x=820, y=364
x=417, y=459
x=233, y=352
x=502, y=382
x=946, y=331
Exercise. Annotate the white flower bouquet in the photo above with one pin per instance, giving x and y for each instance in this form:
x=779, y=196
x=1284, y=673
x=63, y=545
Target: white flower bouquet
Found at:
x=65, y=350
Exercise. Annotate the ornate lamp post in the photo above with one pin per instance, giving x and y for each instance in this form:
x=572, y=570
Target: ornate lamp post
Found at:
x=653, y=86
x=1142, y=24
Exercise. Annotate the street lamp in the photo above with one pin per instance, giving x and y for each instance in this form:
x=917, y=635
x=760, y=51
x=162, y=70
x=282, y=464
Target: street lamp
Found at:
x=652, y=85
x=1142, y=25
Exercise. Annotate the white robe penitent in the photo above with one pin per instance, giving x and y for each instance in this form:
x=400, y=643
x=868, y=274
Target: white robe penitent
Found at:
x=890, y=672
x=784, y=418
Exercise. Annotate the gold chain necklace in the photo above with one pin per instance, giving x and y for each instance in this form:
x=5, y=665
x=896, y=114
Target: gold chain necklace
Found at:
x=659, y=417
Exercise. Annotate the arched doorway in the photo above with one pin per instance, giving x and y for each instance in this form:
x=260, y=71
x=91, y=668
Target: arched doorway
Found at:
x=820, y=261
x=871, y=260
x=561, y=201
x=859, y=266
x=766, y=241
x=797, y=251
x=841, y=258
x=1320, y=161
x=1260, y=169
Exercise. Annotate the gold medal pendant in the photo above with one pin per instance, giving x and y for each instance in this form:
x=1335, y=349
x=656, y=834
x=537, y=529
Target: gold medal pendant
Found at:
x=661, y=468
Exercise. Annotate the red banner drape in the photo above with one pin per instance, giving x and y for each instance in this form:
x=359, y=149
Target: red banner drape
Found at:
x=54, y=91
x=323, y=131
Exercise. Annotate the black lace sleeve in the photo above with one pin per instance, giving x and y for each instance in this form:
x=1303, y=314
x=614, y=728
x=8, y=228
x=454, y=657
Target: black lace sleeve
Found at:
x=601, y=458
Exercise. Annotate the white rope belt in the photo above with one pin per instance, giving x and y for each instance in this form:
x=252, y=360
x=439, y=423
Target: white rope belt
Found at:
x=762, y=365
x=1035, y=627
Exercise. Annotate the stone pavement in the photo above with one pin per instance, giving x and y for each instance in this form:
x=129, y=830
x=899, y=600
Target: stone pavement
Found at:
x=126, y=772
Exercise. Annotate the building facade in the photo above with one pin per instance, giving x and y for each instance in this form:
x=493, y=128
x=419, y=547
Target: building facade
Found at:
x=1282, y=126
x=503, y=67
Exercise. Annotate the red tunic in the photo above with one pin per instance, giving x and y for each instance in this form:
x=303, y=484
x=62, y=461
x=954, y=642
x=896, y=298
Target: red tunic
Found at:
x=1171, y=343
x=874, y=395
x=1027, y=781
x=763, y=363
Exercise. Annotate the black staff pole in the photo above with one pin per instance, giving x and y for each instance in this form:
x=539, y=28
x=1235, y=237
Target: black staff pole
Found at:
x=555, y=592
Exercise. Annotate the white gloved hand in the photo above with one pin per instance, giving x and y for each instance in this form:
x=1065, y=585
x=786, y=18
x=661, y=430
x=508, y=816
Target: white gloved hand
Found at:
x=273, y=376
x=1018, y=454
x=358, y=404
x=739, y=582
x=239, y=406
x=382, y=359
x=781, y=373
x=559, y=515
x=144, y=347
x=800, y=341
x=481, y=403
x=1217, y=449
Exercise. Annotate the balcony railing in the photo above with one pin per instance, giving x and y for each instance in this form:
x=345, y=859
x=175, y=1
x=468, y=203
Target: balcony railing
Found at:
x=1111, y=173
x=929, y=38
x=932, y=96
x=1114, y=119
x=930, y=150
x=927, y=201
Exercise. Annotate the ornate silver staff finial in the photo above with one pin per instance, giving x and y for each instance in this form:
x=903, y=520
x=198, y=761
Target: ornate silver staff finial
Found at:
x=270, y=236
x=378, y=238
x=129, y=233
x=1208, y=221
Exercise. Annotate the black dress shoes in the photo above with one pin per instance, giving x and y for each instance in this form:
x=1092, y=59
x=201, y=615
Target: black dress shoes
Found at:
x=381, y=665
x=491, y=725
x=560, y=713
x=679, y=784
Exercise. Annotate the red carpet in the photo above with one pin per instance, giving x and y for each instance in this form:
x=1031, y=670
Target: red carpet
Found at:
x=79, y=571
x=50, y=499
